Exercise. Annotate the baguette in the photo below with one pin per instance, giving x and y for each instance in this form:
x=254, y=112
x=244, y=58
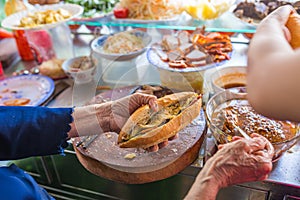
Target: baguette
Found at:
x=293, y=24
x=146, y=128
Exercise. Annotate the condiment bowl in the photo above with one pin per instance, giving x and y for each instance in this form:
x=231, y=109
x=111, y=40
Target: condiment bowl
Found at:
x=228, y=77
x=74, y=68
x=227, y=97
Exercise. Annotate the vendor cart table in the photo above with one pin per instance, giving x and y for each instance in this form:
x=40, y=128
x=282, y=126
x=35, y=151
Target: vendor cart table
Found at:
x=65, y=178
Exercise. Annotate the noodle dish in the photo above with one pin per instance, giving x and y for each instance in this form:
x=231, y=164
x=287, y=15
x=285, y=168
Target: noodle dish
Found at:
x=147, y=10
x=121, y=46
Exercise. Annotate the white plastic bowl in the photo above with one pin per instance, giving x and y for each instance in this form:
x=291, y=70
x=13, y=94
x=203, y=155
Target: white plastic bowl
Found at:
x=81, y=76
x=97, y=47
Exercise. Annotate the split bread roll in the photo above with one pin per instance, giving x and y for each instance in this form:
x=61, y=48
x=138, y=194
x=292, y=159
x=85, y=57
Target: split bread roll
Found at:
x=146, y=128
x=293, y=24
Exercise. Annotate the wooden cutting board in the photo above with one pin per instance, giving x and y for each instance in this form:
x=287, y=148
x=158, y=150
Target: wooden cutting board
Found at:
x=104, y=158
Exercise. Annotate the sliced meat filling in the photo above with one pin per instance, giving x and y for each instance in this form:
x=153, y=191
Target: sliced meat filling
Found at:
x=157, y=119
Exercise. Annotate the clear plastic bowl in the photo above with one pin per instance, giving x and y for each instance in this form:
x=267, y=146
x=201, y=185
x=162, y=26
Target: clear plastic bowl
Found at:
x=221, y=137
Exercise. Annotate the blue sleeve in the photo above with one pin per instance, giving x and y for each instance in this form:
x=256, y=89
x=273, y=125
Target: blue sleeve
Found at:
x=17, y=184
x=33, y=131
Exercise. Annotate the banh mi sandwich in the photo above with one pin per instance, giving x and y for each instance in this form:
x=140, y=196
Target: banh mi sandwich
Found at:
x=146, y=128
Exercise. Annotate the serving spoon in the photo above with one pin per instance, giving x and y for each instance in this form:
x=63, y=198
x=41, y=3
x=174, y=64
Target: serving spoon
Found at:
x=243, y=133
x=234, y=121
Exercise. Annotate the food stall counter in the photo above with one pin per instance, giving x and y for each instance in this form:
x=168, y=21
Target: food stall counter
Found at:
x=77, y=183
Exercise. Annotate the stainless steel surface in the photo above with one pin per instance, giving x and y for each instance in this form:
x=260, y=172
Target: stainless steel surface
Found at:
x=287, y=169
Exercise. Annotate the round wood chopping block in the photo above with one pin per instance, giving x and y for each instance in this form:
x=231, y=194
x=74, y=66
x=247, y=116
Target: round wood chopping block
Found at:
x=98, y=168
x=103, y=156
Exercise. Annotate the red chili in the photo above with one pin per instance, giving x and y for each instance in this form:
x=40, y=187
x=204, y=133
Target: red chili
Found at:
x=121, y=12
x=5, y=34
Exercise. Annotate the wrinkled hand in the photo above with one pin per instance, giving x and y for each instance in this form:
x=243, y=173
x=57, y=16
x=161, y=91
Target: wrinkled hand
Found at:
x=121, y=109
x=111, y=116
x=242, y=161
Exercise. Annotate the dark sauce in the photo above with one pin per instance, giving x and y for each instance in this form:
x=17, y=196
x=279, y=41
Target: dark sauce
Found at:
x=233, y=85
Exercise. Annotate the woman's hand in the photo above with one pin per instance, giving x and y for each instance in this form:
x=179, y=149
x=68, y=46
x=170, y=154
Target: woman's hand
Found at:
x=121, y=109
x=109, y=116
x=242, y=161
x=239, y=161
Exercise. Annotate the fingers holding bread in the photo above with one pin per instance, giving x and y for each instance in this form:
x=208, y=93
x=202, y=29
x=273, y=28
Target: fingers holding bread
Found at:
x=148, y=128
x=163, y=144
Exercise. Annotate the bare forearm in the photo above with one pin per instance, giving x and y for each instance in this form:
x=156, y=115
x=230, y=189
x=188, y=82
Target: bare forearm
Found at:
x=236, y=162
x=206, y=186
x=203, y=189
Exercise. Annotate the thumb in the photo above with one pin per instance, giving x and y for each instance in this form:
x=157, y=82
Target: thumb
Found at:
x=281, y=14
